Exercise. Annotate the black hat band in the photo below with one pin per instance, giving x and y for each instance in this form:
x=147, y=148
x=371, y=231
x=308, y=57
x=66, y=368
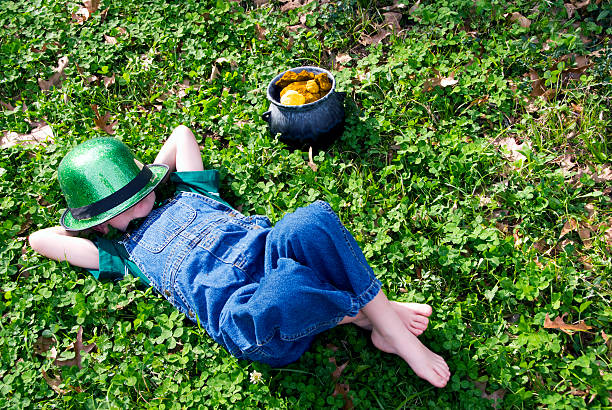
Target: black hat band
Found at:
x=114, y=199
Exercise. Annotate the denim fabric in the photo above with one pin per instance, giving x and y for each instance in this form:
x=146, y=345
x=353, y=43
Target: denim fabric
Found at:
x=263, y=292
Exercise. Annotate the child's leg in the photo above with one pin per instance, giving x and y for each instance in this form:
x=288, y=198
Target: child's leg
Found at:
x=414, y=315
x=390, y=335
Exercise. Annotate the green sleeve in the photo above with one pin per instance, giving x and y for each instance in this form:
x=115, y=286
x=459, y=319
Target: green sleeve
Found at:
x=111, y=265
x=114, y=263
x=202, y=182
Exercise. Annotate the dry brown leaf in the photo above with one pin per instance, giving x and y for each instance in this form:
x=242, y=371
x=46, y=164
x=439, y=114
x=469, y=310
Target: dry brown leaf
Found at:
x=338, y=371
x=537, y=87
x=214, y=74
x=392, y=19
x=261, y=32
x=102, y=122
x=569, y=226
x=590, y=210
x=586, y=262
x=343, y=58
x=233, y=64
x=431, y=83
x=110, y=40
x=495, y=397
x=414, y=8
x=608, y=237
x=260, y=3
x=42, y=134
x=43, y=344
x=296, y=28
x=108, y=81
x=558, y=323
x=294, y=4
x=55, y=79
x=603, y=175
x=78, y=347
x=518, y=238
x=7, y=106
x=54, y=382
x=85, y=11
x=570, y=9
x=519, y=18
x=311, y=163
x=607, y=340
x=373, y=40
x=343, y=389
x=103, y=14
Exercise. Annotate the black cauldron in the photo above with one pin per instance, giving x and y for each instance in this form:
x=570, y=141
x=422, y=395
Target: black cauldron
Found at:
x=316, y=124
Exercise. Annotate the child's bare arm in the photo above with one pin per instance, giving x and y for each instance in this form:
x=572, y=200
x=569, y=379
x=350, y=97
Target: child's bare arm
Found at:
x=58, y=244
x=181, y=151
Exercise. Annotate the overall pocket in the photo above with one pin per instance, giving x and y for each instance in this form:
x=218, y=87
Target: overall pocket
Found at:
x=170, y=220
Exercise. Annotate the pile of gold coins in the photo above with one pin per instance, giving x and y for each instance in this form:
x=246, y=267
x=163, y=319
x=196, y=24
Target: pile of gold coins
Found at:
x=303, y=87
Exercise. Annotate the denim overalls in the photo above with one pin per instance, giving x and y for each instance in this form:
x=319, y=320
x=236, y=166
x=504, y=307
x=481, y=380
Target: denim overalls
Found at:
x=262, y=292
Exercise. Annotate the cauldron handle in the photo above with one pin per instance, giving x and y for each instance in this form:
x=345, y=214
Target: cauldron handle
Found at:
x=266, y=116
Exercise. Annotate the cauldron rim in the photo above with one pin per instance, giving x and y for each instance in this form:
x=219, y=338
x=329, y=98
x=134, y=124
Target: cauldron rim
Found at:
x=302, y=107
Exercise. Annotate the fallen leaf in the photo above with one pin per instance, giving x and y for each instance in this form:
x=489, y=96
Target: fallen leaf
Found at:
x=373, y=40
x=221, y=60
x=396, y=6
x=519, y=18
x=260, y=3
x=603, y=175
x=431, y=83
x=343, y=389
x=102, y=122
x=569, y=226
x=393, y=19
x=78, y=347
x=590, y=210
x=42, y=134
x=294, y=4
x=586, y=262
x=607, y=340
x=55, y=79
x=585, y=231
x=565, y=327
x=110, y=40
x=339, y=369
x=537, y=86
x=261, y=32
x=495, y=397
x=7, y=106
x=518, y=238
x=311, y=163
x=43, y=344
x=343, y=58
x=570, y=9
x=414, y=8
x=108, y=81
x=85, y=11
x=54, y=382
x=295, y=28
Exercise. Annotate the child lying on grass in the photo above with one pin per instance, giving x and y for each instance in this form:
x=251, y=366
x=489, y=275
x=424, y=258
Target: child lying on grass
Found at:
x=263, y=292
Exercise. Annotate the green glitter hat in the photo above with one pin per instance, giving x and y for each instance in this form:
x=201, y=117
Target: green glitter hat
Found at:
x=100, y=179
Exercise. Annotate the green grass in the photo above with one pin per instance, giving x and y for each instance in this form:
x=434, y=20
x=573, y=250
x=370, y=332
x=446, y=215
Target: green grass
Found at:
x=418, y=177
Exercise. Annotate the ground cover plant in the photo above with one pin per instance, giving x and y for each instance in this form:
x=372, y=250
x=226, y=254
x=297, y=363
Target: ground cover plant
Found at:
x=474, y=171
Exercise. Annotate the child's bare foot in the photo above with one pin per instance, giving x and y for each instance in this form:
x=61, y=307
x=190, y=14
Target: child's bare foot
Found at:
x=413, y=315
x=425, y=363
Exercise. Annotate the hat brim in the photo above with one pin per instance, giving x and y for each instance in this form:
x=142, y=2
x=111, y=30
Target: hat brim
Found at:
x=72, y=224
